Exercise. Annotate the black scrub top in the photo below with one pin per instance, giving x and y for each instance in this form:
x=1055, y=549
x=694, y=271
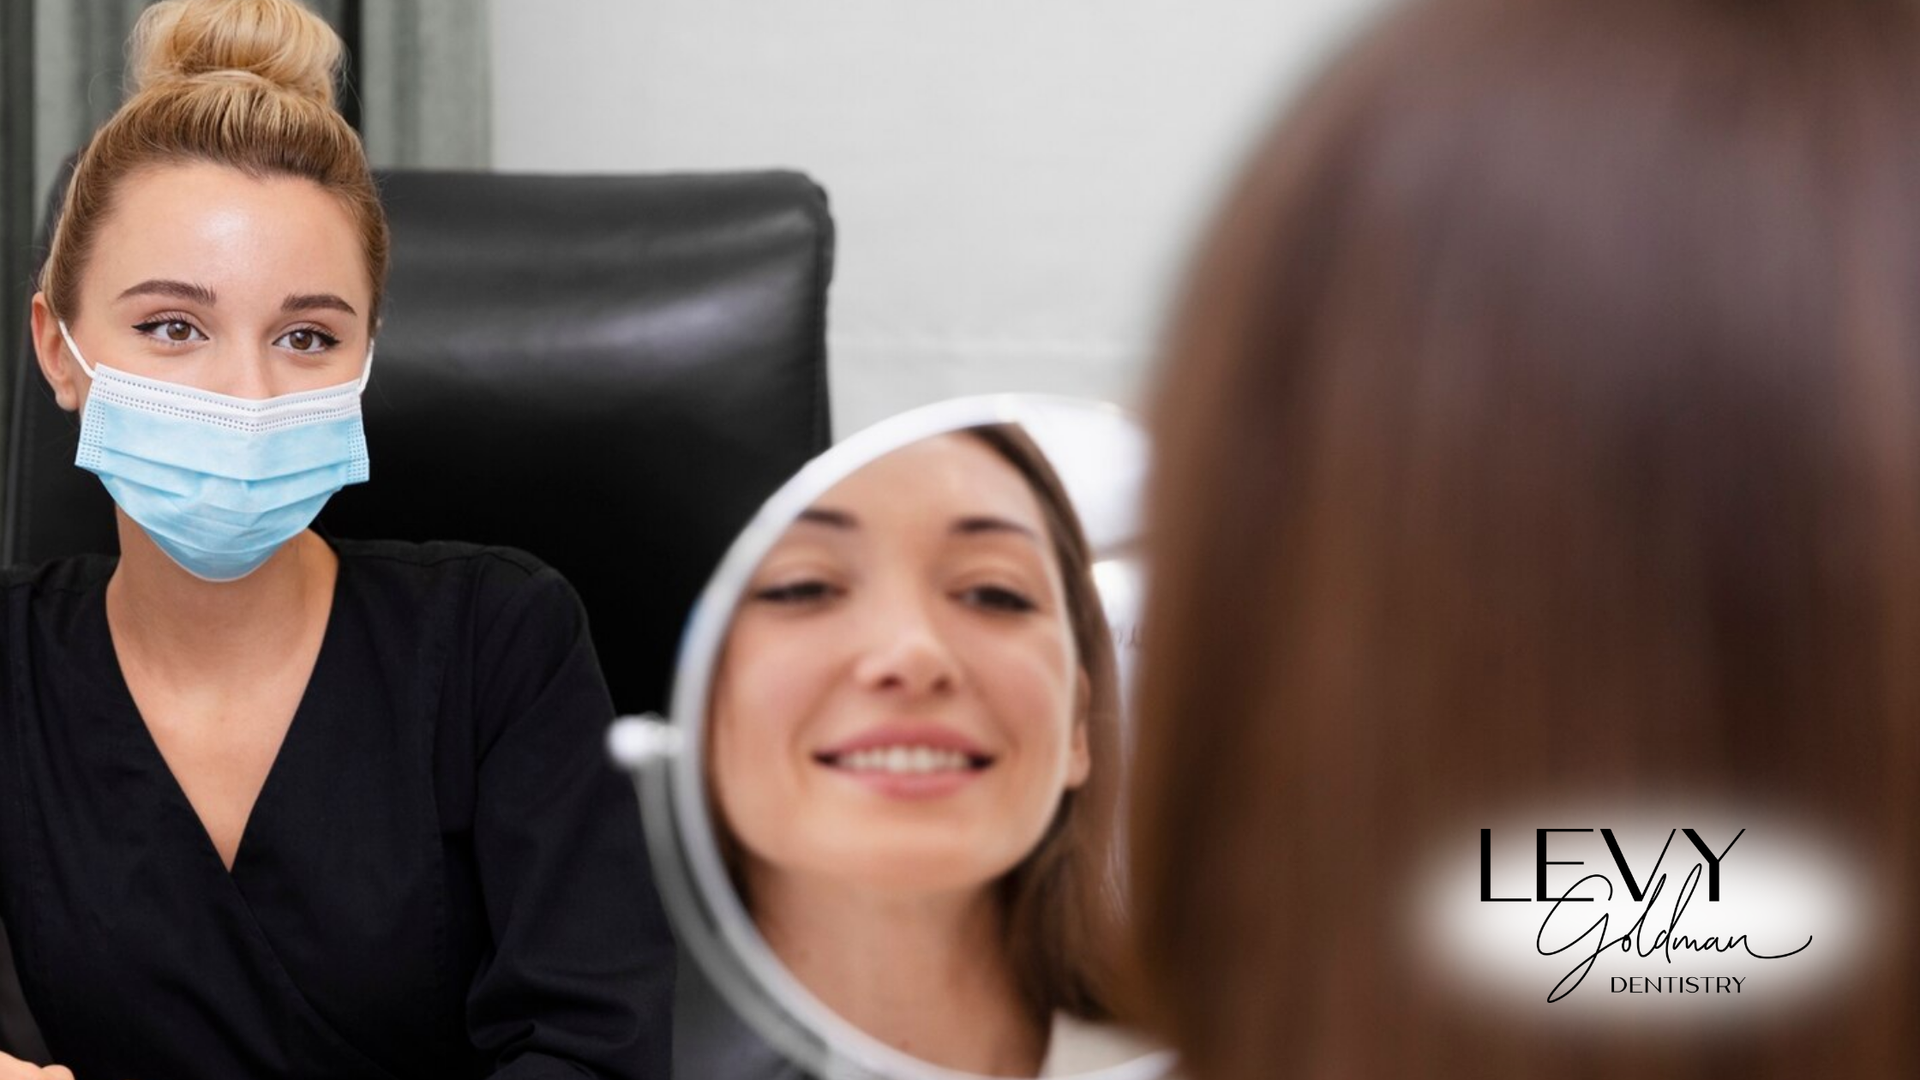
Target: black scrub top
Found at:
x=442, y=877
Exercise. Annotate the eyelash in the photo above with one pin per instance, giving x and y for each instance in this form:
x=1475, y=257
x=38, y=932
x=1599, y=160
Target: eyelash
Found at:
x=147, y=328
x=999, y=599
x=796, y=593
x=326, y=341
x=994, y=599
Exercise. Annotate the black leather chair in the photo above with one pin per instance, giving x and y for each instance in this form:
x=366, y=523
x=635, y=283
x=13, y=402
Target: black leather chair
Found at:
x=609, y=372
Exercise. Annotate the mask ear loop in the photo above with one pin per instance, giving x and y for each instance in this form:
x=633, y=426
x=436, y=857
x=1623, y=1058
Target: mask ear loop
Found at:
x=366, y=372
x=75, y=350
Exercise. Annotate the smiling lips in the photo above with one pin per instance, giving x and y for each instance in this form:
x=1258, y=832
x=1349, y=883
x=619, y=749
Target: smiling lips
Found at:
x=908, y=761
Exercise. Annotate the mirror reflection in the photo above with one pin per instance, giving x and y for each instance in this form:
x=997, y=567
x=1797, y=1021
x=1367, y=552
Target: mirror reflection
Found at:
x=913, y=751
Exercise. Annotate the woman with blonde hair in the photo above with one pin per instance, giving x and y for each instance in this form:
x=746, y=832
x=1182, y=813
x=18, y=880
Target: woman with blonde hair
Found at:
x=1543, y=417
x=276, y=804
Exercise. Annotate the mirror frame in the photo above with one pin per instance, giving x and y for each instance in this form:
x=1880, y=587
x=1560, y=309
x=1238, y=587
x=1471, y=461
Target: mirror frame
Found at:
x=668, y=764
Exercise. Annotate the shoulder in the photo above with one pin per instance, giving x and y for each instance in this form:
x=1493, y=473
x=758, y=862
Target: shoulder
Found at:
x=490, y=605
x=47, y=615
x=504, y=618
x=485, y=577
x=438, y=558
x=1076, y=1046
x=54, y=583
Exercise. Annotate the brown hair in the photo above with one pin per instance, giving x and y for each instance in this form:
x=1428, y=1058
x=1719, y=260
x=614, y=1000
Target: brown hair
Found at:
x=1543, y=414
x=1062, y=900
x=243, y=83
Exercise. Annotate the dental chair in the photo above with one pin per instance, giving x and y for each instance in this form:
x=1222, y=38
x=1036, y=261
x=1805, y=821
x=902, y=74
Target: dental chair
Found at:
x=611, y=372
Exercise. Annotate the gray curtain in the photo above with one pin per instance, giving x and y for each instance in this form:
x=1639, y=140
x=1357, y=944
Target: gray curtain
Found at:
x=425, y=88
x=416, y=85
x=79, y=68
x=417, y=79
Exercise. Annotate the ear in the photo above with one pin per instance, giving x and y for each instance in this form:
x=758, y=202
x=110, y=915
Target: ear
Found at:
x=55, y=361
x=1079, y=757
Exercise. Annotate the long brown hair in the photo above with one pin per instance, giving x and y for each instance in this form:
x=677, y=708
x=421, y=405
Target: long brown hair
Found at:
x=243, y=83
x=1062, y=901
x=1543, y=413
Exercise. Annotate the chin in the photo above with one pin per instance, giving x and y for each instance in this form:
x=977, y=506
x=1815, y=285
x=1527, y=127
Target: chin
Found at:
x=917, y=870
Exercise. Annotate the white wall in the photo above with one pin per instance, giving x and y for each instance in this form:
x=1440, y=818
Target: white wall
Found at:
x=1015, y=182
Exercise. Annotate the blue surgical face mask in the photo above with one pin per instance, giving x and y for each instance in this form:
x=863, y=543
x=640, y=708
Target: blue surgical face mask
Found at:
x=219, y=482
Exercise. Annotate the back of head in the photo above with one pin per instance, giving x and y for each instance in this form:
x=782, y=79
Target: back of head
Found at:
x=247, y=84
x=1543, y=416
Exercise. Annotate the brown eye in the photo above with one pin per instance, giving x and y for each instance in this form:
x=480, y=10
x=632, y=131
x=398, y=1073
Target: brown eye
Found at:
x=170, y=331
x=307, y=339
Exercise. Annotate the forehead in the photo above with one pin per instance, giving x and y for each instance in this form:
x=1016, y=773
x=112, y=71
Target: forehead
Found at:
x=217, y=226
x=932, y=482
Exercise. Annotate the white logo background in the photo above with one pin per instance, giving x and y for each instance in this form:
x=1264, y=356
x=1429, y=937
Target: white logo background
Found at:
x=1787, y=885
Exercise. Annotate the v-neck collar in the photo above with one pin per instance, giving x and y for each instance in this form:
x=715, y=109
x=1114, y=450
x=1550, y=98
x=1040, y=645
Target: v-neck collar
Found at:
x=140, y=740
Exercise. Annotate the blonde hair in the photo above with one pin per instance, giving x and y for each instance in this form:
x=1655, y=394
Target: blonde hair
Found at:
x=243, y=83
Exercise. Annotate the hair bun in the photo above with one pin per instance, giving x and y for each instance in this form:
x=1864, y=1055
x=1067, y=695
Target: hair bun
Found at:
x=279, y=41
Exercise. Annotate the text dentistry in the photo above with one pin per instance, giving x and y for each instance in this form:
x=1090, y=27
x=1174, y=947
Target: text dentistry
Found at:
x=1675, y=984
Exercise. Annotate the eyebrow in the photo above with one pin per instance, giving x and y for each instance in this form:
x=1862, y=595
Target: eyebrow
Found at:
x=186, y=290
x=832, y=519
x=309, y=301
x=179, y=290
x=972, y=525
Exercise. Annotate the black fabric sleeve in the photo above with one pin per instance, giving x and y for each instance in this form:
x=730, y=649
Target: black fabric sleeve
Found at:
x=580, y=979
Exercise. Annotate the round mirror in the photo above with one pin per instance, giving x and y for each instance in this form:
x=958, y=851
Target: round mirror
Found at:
x=885, y=817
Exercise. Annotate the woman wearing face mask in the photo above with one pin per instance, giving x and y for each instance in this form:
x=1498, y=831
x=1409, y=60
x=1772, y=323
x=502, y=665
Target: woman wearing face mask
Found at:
x=1555, y=371
x=276, y=805
x=914, y=758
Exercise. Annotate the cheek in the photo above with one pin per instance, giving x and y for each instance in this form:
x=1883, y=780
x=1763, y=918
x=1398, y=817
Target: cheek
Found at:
x=745, y=768
x=775, y=689
x=764, y=693
x=771, y=675
x=1031, y=691
x=1031, y=686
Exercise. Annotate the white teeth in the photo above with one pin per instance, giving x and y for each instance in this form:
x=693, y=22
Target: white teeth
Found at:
x=905, y=760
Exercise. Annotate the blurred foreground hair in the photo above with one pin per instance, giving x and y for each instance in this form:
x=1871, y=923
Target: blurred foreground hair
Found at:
x=1542, y=416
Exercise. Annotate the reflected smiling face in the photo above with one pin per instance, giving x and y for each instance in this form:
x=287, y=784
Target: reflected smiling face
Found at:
x=204, y=276
x=899, y=705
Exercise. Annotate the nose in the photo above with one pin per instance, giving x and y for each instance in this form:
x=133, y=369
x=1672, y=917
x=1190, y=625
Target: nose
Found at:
x=239, y=371
x=244, y=372
x=907, y=653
